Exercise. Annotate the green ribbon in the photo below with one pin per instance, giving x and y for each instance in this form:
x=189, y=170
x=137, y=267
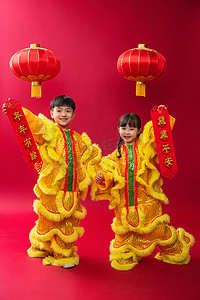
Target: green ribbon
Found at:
x=70, y=162
x=131, y=176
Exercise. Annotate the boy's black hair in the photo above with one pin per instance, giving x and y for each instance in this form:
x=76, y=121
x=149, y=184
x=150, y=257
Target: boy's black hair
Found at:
x=132, y=120
x=62, y=101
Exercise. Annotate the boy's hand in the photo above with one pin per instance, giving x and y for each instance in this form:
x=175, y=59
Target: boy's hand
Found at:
x=99, y=177
x=4, y=108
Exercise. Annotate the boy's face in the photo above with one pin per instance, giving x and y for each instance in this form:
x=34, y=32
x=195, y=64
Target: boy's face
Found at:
x=62, y=115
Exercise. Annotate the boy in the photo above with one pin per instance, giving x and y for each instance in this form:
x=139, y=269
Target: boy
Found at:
x=68, y=162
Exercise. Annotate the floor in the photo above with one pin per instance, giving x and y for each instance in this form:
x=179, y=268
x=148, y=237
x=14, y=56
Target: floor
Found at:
x=22, y=277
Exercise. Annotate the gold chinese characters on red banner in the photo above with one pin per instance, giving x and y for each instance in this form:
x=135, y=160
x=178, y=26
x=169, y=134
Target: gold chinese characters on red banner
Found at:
x=164, y=141
x=23, y=134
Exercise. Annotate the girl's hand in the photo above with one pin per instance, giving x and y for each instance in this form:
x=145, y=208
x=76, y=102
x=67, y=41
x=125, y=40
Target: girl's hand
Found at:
x=161, y=107
x=99, y=177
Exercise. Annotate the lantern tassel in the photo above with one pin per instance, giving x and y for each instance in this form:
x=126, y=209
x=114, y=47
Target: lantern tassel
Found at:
x=36, y=90
x=140, y=88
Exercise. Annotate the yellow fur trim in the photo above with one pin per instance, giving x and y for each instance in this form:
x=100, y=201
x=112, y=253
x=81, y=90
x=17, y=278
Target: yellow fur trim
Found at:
x=147, y=150
x=118, y=229
x=47, y=190
x=53, y=131
x=52, y=154
x=37, y=253
x=123, y=255
x=85, y=159
x=37, y=191
x=119, y=184
x=65, y=252
x=182, y=257
x=61, y=261
x=62, y=170
x=90, y=157
x=61, y=174
x=80, y=214
x=88, y=151
x=49, y=164
x=67, y=238
x=45, y=246
x=94, y=160
x=59, y=203
x=182, y=233
x=111, y=166
x=171, y=239
x=49, y=156
x=155, y=176
x=125, y=267
x=96, y=157
x=141, y=216
x=83, y=185
x=128, y=247
x=107, y=163
x=178, y=259
x=39, y=208
x=123, y=261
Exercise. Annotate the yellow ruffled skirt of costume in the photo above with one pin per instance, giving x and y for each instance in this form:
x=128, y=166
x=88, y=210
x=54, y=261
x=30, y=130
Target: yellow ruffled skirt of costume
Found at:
x=54, y=234
x=139, y=238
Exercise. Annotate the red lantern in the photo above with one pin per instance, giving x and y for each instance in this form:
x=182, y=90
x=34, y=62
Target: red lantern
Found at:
x=35, y=65
x=141, y=64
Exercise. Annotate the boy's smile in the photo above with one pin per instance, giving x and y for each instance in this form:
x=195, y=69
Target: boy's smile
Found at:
x=62, y=115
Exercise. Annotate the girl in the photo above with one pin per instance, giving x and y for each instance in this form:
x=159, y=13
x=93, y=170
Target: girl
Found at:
x=129, y=179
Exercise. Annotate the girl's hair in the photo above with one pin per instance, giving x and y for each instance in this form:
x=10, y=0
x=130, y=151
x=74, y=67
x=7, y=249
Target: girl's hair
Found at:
x=132, y=120
x=62, y=101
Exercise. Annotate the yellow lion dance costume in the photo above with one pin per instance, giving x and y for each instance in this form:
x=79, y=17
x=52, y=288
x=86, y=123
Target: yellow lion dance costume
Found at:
x=133, y=186
x=68, y=162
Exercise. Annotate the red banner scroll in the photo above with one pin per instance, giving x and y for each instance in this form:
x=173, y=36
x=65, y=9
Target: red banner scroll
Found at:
x=164, y=141
x=23, y=134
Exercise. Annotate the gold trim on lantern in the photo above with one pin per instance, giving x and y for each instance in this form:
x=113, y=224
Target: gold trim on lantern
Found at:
x=142, y=45
x=34, y=45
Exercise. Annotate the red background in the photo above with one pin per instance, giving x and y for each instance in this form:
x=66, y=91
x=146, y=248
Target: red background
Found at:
x=88, y=37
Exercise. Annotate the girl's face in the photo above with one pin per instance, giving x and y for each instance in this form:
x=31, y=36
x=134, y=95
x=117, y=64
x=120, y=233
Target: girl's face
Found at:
x=128, y=134
x=62, y=115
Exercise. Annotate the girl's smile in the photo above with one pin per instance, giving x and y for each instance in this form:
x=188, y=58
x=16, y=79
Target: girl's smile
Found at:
x=128, y=134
